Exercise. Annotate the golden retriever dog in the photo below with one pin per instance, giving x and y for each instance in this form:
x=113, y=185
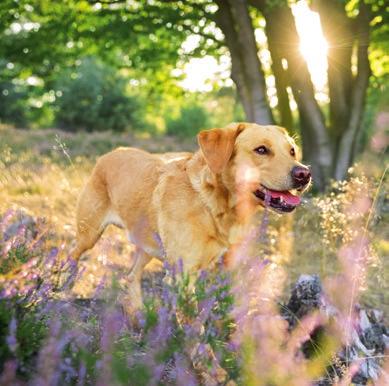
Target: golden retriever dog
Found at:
x=188, y=206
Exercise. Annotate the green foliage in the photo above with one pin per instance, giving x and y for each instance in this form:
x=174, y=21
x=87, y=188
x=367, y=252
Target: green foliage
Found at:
x=377, y=99
x=44, y=37
x=22, y=98
x=140, y=35
x=13, y=96
x=93, y=97
x=15, y=257
x=30, y=332
x=191, y=120
x=5, y=318
x=13, y=104
x=223, y=325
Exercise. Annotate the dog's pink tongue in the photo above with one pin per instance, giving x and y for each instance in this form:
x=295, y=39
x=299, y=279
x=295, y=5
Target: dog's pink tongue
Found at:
x=286, y=196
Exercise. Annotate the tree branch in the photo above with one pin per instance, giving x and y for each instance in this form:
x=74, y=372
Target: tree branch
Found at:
x=108, y=2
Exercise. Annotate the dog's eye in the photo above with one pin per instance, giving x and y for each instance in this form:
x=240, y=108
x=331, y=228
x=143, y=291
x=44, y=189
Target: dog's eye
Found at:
x=261, y=150
x=292, y=152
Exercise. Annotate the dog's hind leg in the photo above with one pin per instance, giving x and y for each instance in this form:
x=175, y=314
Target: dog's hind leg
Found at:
x=92, y=210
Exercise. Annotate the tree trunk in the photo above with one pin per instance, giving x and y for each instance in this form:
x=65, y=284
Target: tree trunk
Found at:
x=349, y=139
x=347, y=94
x=280, y=75
x=337, y=28
x=225, y=22
x=246, y=71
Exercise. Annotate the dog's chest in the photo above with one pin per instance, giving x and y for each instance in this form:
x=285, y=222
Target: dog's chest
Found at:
x=237, y=233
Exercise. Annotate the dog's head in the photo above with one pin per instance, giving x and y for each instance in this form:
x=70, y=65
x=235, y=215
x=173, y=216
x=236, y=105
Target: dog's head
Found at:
x=261, y=163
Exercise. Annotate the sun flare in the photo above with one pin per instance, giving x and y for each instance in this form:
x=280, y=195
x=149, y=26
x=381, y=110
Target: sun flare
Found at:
x=313, y=45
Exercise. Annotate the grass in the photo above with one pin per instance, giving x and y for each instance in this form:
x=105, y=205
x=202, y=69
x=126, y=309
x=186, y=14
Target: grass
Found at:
x=41, y=174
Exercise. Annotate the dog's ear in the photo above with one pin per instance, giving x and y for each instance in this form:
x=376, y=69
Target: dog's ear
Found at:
x=217, y=145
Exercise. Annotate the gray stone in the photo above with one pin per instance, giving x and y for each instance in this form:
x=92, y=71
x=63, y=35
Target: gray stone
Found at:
x=305, y=297
x=370, y=336
x=23, y=224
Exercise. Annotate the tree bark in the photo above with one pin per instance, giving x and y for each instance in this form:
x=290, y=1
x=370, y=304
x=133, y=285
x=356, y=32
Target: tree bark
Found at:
x=349, y=139
x=280, y=76
x=225, y=22
x=246, y=71
x=337, y=28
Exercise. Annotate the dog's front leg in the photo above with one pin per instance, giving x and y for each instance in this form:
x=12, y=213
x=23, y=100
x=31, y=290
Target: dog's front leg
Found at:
x=133, y=300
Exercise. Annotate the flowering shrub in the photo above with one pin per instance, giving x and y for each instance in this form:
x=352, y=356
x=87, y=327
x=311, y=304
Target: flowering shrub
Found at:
x=48, y=340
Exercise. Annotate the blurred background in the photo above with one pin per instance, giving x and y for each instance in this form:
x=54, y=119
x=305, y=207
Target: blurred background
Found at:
x=156, y=68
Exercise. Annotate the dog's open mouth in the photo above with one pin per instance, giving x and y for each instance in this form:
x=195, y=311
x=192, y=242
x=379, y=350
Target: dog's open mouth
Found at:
x=281, y=201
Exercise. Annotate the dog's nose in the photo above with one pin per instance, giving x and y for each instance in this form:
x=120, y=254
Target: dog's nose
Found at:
x=301, y=176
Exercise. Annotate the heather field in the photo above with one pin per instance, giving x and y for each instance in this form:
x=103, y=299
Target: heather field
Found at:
x=65, y=326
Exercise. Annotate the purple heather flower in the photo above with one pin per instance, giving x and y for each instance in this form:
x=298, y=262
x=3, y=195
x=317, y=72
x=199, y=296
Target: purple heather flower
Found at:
x=183, y=375
x=81, y=374
x=11, y=338
x=203, y=276
x=8, y=376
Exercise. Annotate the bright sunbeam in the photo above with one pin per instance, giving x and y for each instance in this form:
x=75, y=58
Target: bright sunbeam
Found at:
x=201, y=73
x=313, y=45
